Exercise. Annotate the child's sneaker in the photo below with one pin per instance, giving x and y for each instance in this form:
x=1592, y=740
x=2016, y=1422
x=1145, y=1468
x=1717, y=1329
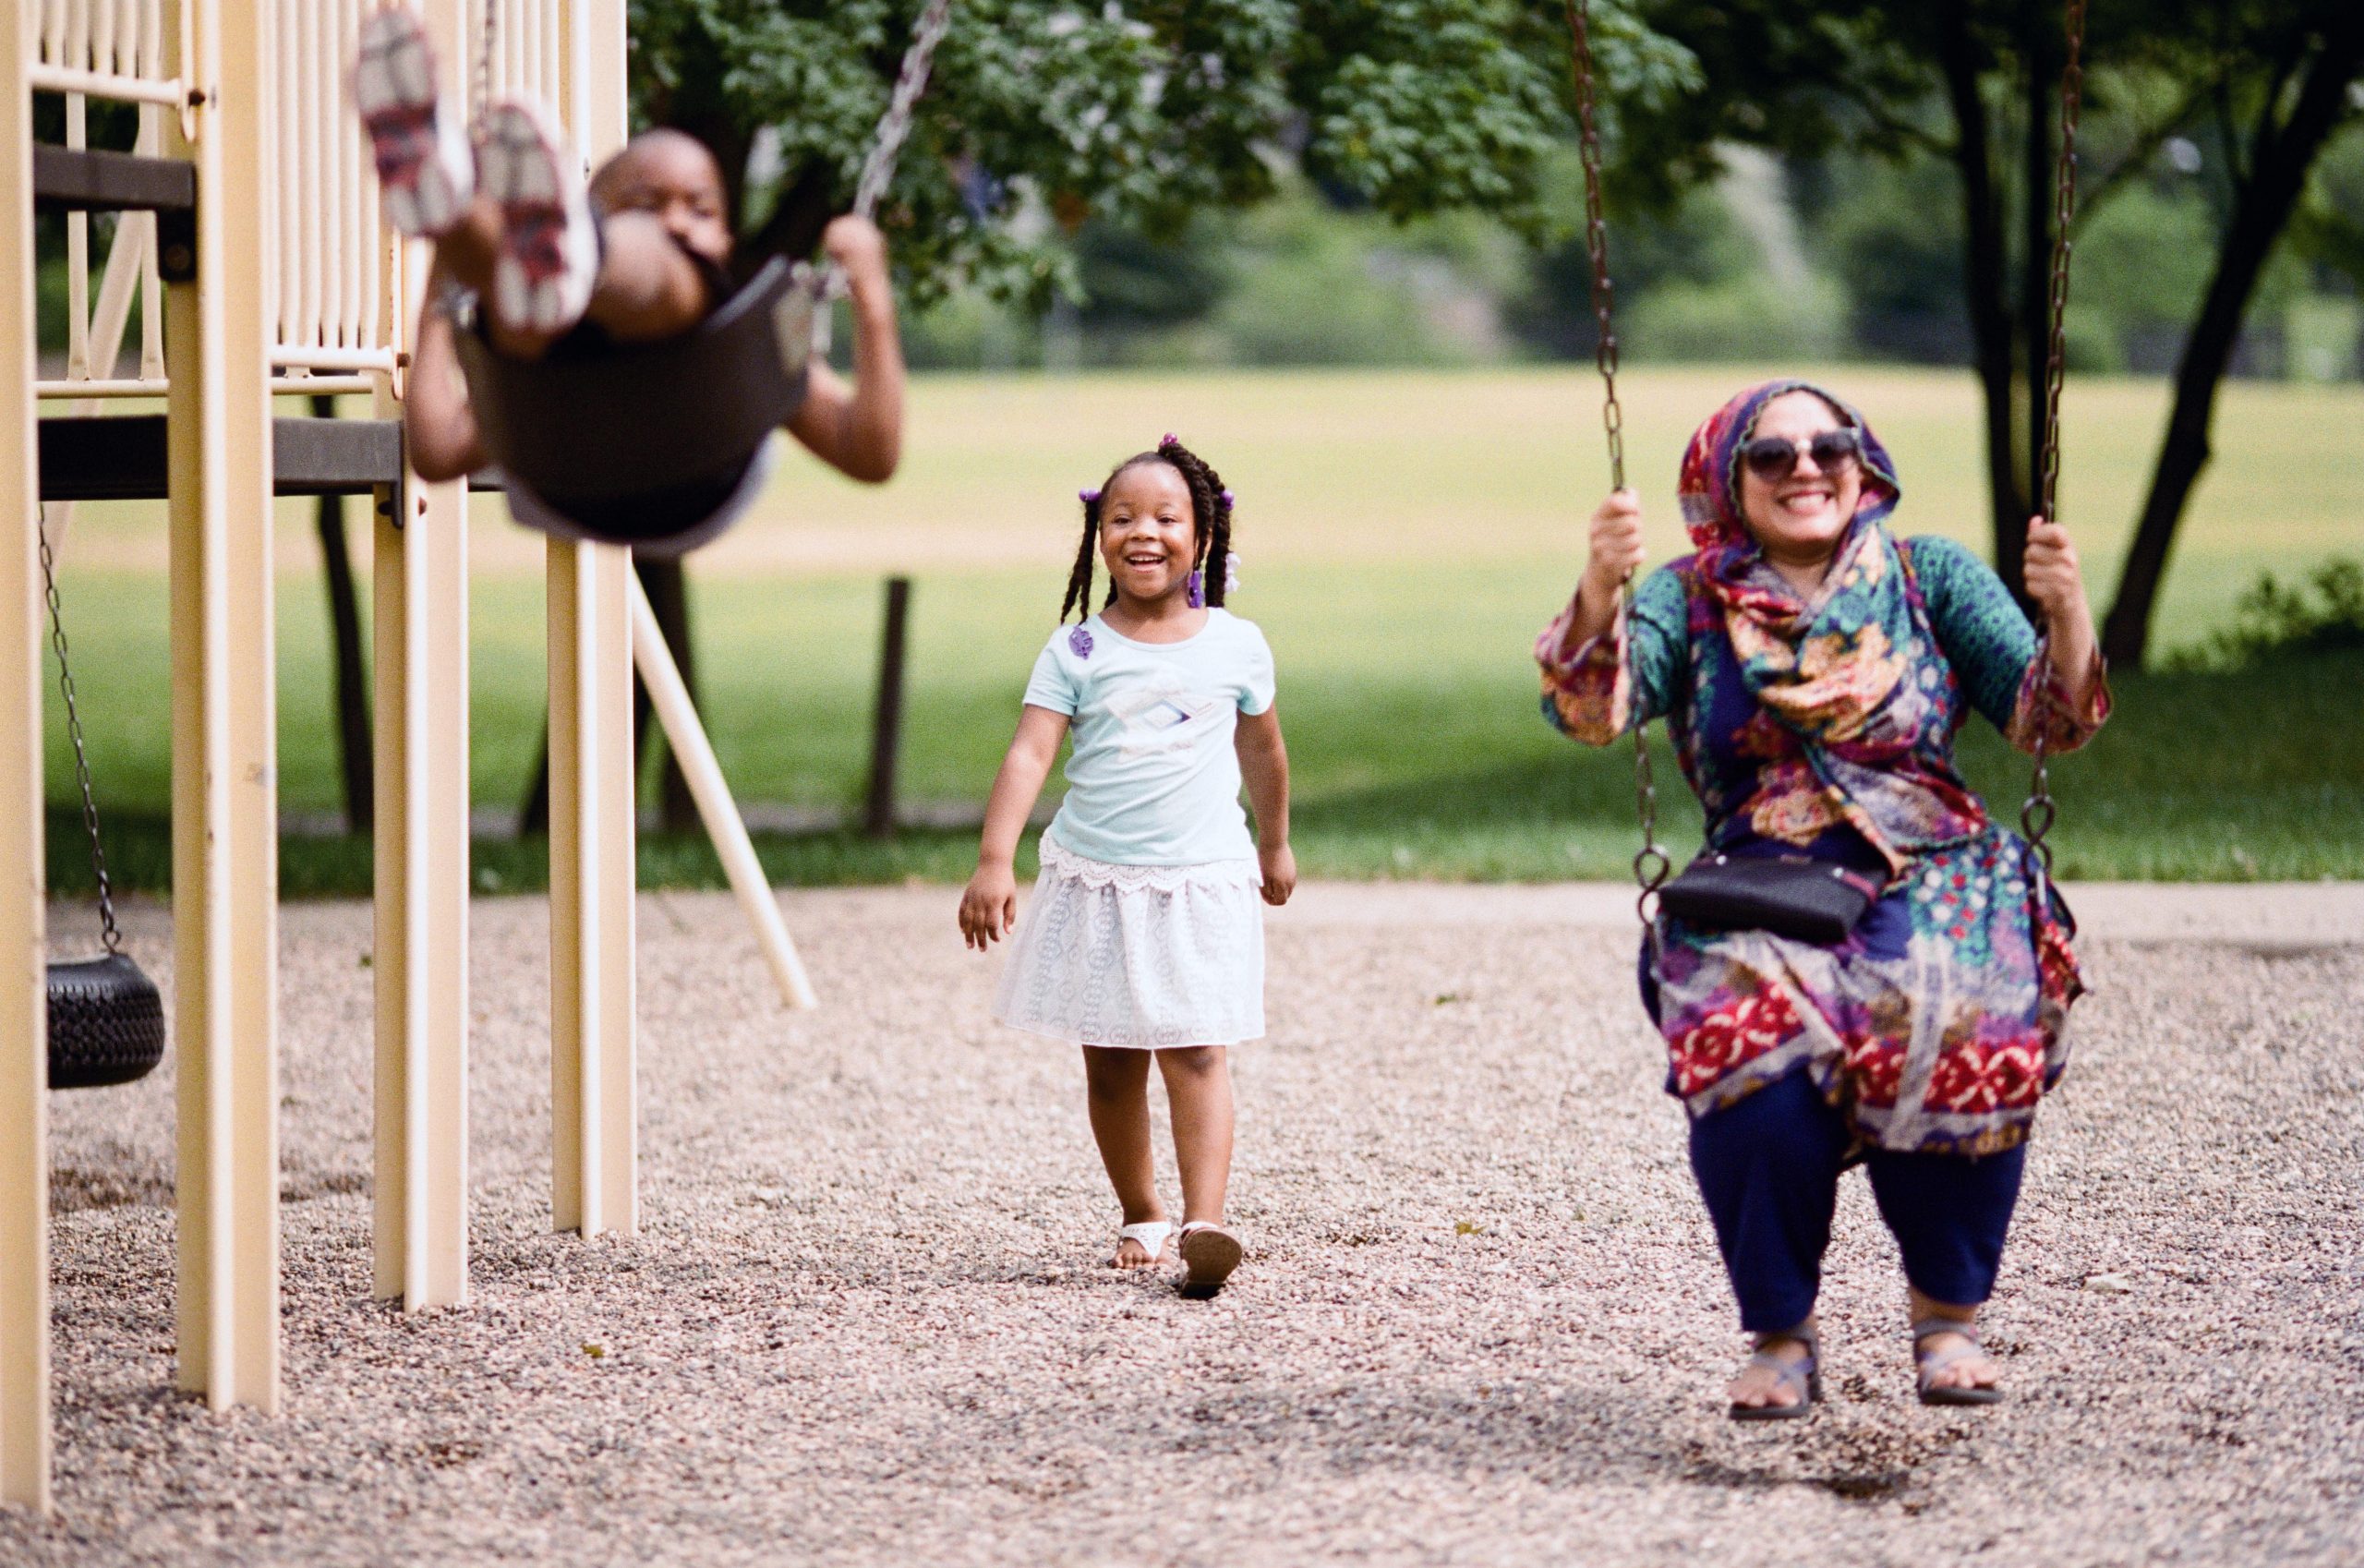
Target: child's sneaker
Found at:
x=549, y=252
x=426, y=169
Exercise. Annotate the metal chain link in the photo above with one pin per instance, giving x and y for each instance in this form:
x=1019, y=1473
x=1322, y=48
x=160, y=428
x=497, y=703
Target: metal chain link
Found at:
x=1651, y=863
x=895, y=124
x=2037, y=816
x=484, y=60
x=108, y=933
x=825, y=283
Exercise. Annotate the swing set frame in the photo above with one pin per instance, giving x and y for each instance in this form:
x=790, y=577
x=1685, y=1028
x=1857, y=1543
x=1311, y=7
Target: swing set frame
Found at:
x=251, y=238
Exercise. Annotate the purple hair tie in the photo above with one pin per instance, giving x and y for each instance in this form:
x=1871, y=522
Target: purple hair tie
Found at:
x=1229, y=500
x=1168, y=440
x=1197, y=597
x=1087, y=497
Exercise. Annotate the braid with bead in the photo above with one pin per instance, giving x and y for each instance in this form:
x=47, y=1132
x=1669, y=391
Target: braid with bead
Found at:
x=1079, y=580
x=1209, y=517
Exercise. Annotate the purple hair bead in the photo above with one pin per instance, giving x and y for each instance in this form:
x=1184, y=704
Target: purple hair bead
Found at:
x=1198, y=590
x=1080, y=642
x=1228, y=499
x=1167, y=440
x=1087, y=497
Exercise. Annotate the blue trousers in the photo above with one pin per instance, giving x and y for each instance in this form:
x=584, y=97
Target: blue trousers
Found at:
x=1768, y=1169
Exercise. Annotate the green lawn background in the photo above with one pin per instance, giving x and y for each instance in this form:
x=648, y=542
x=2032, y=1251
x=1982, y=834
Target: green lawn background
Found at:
x=1405, y=534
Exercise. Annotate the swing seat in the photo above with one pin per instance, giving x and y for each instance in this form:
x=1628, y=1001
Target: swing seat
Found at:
x=106, y=1023
x=646, y=444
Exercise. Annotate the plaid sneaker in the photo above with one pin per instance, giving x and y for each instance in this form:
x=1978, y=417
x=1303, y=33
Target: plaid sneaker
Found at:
x=549, y=249
x=426, y=170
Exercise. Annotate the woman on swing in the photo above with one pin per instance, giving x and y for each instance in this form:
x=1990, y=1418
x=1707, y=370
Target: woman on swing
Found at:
x=640, y=256
x=1812, y=670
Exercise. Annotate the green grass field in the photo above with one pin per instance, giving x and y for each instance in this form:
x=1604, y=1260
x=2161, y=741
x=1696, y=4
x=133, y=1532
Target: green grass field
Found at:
x=1405, y=534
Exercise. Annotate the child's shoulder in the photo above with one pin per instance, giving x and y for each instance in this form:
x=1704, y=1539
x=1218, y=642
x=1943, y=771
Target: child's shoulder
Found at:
x=1225, y=623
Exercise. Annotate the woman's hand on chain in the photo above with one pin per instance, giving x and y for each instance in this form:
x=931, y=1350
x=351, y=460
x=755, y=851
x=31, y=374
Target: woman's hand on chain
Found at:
x=2056, y=584
x=1616, y=551
x=2050, y=569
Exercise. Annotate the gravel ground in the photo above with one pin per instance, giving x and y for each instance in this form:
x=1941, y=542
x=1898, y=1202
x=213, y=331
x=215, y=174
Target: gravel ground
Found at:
x=1481, y=1320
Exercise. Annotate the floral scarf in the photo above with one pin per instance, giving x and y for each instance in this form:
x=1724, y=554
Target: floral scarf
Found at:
x=1840, y=670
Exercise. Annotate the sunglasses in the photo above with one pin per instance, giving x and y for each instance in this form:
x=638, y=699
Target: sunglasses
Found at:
x=1772, y=459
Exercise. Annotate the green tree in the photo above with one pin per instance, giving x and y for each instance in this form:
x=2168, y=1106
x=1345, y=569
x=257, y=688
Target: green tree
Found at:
x=1974, y=82
x=1135, y=117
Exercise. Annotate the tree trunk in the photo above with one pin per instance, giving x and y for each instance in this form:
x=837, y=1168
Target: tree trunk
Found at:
x=667, y=590
x=1984, y=262
x=354, y=747
x=2279, y=165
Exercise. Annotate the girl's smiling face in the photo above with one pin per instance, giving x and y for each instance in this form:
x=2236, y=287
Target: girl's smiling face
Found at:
x=1149, y=534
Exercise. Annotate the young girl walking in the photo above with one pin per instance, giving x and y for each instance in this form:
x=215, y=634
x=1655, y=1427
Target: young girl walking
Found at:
x=1143, y=938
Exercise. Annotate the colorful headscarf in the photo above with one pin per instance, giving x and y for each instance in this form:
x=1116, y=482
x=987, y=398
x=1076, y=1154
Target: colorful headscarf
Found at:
x=1836, y=669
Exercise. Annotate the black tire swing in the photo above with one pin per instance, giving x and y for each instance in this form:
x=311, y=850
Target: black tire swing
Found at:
x=106, y=1019
x=1651, y=864
x=626, y=433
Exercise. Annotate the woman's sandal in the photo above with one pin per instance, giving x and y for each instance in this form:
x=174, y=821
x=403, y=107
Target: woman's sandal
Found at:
x=1209, y=1255
x=1149, y=1236
x=1805, y=1376
x=1927, y=1364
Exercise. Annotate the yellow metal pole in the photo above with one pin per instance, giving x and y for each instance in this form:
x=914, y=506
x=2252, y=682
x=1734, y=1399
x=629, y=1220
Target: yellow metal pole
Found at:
x=226, y=850
x=421, y=626
x=24, y=1044
x=594, y=1132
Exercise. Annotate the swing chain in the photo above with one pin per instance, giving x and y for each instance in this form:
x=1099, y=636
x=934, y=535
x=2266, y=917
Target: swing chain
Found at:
x=108, y=932
x=484, y=59
x=2064, y=204
x=2038, y=815
x=895, y=126
x=1612, y=415
x=1652, y=865
x=824, y=284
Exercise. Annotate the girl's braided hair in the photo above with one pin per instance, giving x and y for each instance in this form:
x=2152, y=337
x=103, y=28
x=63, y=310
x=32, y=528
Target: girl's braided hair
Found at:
x=1209, y=516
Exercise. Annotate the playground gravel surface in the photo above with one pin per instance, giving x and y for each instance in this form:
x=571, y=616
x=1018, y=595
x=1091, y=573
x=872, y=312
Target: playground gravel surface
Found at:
x=1481, y=1320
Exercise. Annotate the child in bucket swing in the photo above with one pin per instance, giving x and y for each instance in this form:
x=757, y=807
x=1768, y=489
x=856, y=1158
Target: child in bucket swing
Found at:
x=1143, y=939
x=642, y=256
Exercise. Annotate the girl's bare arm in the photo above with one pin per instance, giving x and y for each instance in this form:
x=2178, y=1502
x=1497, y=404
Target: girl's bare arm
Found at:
x=989, y=904
x=1264, y=764
x=858, y=429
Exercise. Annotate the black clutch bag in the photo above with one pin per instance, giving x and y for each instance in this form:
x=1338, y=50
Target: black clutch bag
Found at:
x=1787, y=894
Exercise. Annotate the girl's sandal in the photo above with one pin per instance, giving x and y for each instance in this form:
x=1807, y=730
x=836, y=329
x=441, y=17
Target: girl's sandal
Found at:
x=1209, y=1255
x=1806, y=1377
x=1149, y=1236
x=1927, y=1364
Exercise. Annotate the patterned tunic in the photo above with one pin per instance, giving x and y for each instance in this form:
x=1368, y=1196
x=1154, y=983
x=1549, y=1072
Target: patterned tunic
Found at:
x=1938, y=1022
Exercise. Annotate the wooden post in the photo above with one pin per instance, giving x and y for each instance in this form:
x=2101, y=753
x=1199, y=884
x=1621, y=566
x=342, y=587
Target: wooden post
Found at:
x=24, y=1044
x=594, y=1135
x=886, y=719
x=225, y=816
x=669, y=695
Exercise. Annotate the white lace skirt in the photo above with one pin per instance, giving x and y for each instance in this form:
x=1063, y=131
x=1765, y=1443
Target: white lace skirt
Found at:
x=1145, y=956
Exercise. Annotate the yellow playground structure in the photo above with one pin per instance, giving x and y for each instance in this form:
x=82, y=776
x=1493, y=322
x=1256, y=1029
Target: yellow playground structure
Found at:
x=252, y=242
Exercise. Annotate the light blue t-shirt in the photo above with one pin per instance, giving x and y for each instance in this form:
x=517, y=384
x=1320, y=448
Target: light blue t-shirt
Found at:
x=1153, y=779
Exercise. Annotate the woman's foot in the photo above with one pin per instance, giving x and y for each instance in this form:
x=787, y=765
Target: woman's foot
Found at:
x=1949, y=1365
x=426, y=169
x=1141, y=1245
x=1781, y=1380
